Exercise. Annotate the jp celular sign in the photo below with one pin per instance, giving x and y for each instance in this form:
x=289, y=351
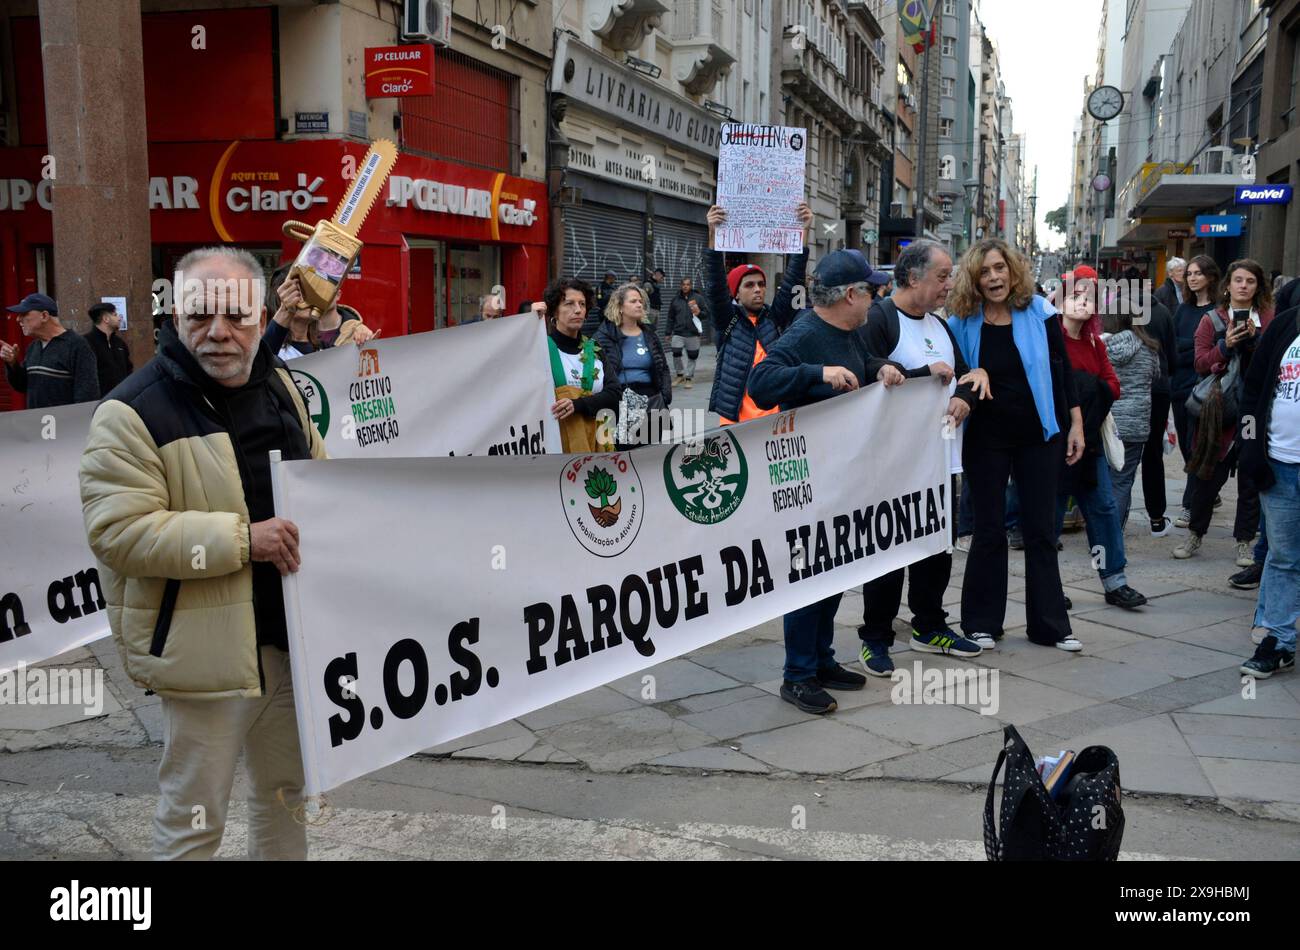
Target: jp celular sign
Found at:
x=396, y=71
x=1263, y=194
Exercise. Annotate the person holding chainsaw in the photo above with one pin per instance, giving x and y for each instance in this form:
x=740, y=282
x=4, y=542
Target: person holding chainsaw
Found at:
x=292, y=333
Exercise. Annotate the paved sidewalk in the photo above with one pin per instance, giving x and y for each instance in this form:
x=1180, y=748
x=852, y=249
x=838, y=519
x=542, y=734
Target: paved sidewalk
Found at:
x=1159, y=685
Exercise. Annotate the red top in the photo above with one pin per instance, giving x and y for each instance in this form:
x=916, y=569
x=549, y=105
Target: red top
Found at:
x=1089, y=354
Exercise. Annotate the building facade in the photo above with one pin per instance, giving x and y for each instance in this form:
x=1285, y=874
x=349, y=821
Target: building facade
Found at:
x=465, y=209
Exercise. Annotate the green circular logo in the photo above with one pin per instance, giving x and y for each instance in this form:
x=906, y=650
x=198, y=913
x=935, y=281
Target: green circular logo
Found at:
x=706, y=478
x=318, y=403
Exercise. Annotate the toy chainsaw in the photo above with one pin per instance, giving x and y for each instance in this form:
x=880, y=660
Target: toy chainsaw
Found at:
x=330, y=248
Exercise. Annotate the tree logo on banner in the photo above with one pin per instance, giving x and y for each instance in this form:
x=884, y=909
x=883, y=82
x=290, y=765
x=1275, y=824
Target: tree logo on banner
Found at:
x=603, y=502
x=318, y=403
x=706, y=479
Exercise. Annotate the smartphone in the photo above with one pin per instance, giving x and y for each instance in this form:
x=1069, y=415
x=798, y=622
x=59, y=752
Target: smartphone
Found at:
x=1239, y=317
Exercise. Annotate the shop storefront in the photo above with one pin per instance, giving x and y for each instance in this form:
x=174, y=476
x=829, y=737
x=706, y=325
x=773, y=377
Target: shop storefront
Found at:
x=441, y=236
x=640, y=171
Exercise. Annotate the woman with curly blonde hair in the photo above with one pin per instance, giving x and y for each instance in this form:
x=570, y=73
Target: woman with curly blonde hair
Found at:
x=1026, y=405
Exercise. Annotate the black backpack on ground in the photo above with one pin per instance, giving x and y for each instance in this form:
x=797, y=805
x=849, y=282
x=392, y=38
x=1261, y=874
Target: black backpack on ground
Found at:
x=1084, y=823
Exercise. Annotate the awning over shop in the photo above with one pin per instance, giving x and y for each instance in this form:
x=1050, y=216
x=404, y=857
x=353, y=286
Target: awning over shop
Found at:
x=1148, y=233
x=1187, y=194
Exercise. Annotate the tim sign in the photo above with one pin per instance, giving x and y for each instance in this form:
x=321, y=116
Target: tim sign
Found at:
x=396, y=71
x=1263, y=194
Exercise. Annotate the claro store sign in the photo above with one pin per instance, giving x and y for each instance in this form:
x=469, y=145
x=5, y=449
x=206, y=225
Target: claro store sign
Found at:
x=244, y=191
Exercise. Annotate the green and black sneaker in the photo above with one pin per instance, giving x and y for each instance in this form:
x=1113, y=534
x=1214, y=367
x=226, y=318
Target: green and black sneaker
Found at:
x=945, y=641
x=875, y=658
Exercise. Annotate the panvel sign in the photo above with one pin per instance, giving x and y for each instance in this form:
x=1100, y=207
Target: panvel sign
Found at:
x=492, y=587
x=1263, y=194
x=396, y=71
x=242, y=192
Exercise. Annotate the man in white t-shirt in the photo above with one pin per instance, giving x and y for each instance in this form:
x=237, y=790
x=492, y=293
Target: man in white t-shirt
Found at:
x=904, y=329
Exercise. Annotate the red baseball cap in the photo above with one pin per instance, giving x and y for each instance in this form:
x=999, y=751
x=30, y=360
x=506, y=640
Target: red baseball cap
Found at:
x=1082, y=272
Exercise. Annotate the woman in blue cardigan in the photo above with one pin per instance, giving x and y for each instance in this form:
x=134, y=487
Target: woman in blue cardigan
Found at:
x=1025, y=421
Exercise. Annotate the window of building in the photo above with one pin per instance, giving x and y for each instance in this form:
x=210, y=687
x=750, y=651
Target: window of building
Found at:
x=1289, y=116
x=949, y=7
x=945, y=128
x=435, y=125
x=949, y=46
x=948, y=85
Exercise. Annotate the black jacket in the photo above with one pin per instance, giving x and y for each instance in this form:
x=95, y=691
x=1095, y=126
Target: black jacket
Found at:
x=680, y=319
x=1161, y=329
x=57, y=373
x=1095, y=400
x=652, y=291
x=609, y=339
x=1258, y=392
x=112, y=356
x=595, y=317
x=1167, y=294
x=881, y=333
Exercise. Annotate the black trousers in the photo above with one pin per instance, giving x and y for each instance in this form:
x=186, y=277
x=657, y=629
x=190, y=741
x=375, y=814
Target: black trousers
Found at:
x=984, y=589
x=1153, y=458
x=1185, y=426
x=881, y=598
x=1246, y=523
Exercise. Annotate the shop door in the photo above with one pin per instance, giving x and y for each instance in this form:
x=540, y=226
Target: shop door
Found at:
x=427, y=308
x=598, y=239
x=679, y=250
x=474, y=271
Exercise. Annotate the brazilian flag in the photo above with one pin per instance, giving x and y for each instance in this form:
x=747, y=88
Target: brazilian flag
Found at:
x=917, y=20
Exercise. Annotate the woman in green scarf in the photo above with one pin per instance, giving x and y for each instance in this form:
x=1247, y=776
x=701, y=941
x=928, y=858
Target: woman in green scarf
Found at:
x=581, y=389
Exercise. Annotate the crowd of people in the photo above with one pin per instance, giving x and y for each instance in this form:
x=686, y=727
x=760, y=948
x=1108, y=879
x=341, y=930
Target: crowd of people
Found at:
x=1055, y=400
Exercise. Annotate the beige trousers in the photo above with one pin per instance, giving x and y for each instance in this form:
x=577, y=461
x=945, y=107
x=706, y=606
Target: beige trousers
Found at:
x=202, y=739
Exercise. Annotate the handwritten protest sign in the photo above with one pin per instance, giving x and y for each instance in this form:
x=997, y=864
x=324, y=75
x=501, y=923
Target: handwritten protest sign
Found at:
x=760, y=184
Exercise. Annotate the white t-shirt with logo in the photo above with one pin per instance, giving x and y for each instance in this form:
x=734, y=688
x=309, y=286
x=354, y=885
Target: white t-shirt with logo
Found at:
x=1284, y=419
x=920, y=343
x=572, y=363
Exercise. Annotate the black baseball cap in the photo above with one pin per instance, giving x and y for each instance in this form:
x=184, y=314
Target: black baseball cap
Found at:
x=35, y=302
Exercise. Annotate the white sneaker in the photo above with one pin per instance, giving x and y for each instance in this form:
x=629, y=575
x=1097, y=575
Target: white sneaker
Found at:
x=963, y=544
x=984, y=641
x=1258, y=634
x=1189, y=547
x=1244, y=556
x=1069, y=644
x=1184, y=519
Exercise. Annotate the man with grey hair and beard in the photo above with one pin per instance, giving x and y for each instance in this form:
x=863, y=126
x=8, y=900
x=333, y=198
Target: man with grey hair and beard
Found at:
x=176, y=494
x=906, y=329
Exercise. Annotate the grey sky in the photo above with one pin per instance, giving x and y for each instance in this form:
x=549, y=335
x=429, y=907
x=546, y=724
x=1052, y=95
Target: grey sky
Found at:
x=1046, y=49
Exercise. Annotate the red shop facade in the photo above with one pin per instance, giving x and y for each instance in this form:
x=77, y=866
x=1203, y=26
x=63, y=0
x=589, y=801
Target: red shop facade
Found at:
x=442, y=234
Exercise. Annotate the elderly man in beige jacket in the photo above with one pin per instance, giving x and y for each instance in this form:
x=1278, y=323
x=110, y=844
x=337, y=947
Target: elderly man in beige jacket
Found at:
x=176, y=493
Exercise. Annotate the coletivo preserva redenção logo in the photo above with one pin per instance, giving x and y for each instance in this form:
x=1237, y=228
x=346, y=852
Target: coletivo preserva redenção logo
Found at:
x=706, y=479
x=603, y=502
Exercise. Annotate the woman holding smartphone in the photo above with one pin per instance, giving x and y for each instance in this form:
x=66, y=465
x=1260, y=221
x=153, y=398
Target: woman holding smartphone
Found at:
x=1245, y=309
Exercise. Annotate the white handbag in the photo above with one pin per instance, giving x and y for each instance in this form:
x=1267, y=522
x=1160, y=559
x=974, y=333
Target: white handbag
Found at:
x=1112, y=443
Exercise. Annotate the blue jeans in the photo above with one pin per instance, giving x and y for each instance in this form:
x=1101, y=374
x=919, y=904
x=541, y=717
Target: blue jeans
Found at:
x=1101, y=519
x=1122, y=481
x=808, y=635
x=1279, y=588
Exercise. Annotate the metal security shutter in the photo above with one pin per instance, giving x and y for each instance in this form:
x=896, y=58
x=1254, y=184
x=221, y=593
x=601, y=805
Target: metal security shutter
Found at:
x=598, y=238
x=679, y=250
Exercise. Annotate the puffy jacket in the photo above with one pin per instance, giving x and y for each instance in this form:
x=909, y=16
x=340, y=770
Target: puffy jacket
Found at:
x=1137, y=366
x=609, y=339
x=160, y=477
x=736, y=335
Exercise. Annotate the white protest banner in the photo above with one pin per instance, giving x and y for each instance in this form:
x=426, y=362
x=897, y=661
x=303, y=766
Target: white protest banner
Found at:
x=481, y=389
x=50, y=598
x=760, y=184
x=467, y=592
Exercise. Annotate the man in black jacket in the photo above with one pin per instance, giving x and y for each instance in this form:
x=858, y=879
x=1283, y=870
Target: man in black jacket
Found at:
x=59, y=368
x=1174, y=289
x=906, y=330
x=685, y=309
x=1160, y=326
x=112, y=355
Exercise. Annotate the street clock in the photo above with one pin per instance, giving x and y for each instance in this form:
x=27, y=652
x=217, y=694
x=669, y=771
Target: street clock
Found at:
x=1105, y=103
